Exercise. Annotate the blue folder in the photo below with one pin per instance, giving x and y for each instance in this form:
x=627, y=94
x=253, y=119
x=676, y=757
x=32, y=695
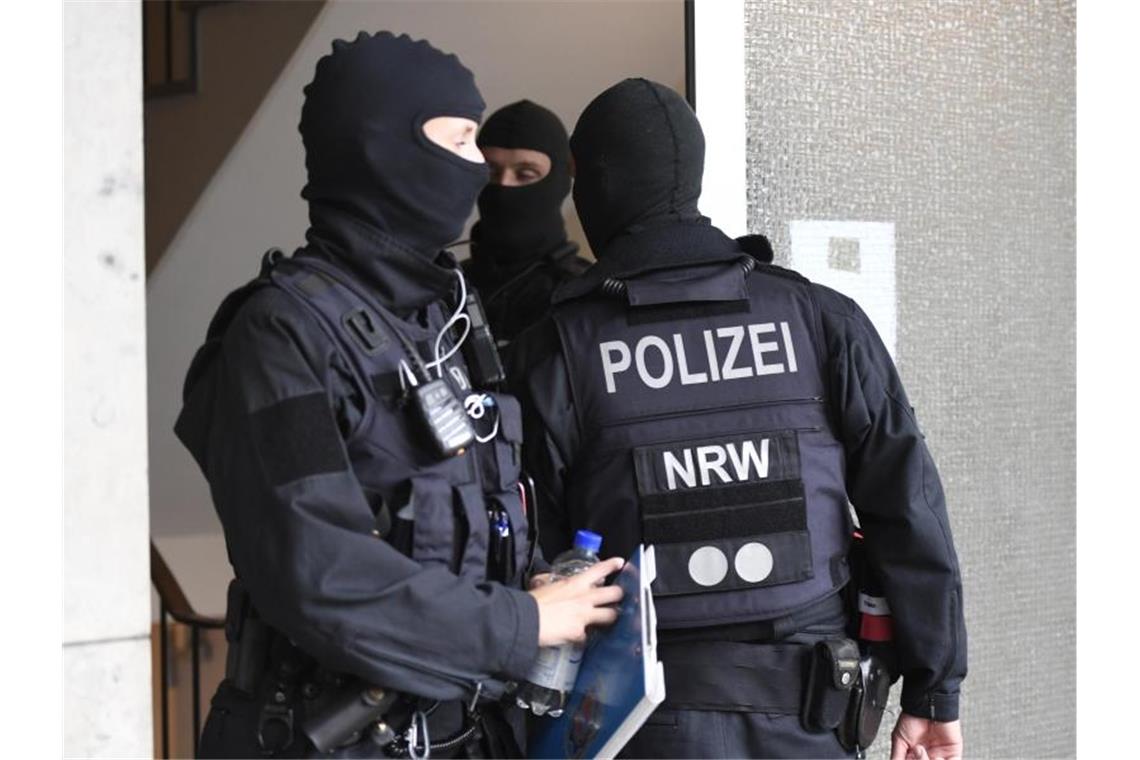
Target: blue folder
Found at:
x=620, y=682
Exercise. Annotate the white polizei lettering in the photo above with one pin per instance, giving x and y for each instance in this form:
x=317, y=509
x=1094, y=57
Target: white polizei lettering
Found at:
x=674, y=468
x=687, y=378
x=744, y=459
x=788, y=347
x=759, y=349
x=711, y=459
x=617, y=356
x=729, y=372
x=610, y=366
x=710, y=351
x=666, y=357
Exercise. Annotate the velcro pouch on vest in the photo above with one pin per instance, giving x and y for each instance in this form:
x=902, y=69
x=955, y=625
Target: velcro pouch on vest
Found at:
x=725, y=513
x=500, y=460
x=500, y=466
x=833, y=672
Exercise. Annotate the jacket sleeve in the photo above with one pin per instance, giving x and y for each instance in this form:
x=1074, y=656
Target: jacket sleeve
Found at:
x=538, y=378
x=895, y=489
x=299, y=527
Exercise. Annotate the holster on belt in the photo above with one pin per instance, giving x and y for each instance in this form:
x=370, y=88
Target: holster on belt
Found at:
x=248, y=641
x=833, y=672
x=868, y=702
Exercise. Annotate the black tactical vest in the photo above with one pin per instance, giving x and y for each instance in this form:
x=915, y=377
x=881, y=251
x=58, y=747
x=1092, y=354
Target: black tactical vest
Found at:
x=437, y=508
x=701, y=398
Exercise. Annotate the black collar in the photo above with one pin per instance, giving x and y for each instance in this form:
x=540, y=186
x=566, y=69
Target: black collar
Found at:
x=402, y=278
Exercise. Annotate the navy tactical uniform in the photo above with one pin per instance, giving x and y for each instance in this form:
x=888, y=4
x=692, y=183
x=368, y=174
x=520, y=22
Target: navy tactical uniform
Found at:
x=726, y=411
x=364, y=556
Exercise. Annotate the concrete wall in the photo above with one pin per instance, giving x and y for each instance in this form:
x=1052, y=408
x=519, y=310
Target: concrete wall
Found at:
x=106, y=647
x=560, y=54
x=920, y=157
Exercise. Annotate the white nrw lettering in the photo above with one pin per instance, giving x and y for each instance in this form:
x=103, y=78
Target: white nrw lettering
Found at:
x=674, y=468
x=748, y=463
x=712, y=459
x=747, y=457
x=611, y=367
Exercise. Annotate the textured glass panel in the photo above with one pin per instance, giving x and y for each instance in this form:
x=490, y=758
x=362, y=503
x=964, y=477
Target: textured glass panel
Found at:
x=953, y=122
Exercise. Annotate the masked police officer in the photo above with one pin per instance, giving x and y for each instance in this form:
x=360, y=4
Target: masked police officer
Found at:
x=685, y=394
x=519, y=249
x=367, y=488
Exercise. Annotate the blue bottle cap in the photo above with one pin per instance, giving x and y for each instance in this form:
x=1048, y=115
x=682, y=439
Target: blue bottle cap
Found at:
x=588, y=541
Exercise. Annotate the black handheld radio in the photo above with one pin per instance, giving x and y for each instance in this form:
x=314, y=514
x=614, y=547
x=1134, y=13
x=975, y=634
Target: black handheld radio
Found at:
x=479, y=349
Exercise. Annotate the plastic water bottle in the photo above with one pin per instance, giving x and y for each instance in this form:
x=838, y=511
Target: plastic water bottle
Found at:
x=552, y=677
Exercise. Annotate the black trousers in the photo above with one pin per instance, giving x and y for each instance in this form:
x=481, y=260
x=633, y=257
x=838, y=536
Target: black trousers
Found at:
x=727, y=699
x=671, y=733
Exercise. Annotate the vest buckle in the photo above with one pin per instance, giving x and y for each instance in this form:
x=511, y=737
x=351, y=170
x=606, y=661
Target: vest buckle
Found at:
x=364, y=332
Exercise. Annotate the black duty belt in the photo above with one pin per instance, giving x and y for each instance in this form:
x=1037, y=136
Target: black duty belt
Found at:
x=735, y=677
x=829, y=610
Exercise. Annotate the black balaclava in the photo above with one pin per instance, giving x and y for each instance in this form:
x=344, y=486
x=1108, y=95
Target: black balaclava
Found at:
x=367, y=156
x=638, y=154
x=517, y=224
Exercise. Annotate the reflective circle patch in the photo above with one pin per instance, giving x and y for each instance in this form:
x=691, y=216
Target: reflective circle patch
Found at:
x=708, y=566
x=753, y=562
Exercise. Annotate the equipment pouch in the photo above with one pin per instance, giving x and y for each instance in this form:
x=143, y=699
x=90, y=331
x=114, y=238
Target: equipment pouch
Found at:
x=343, y=715
x=500, y=465
x=832, y=673
x=868, y=703
x=247, y=638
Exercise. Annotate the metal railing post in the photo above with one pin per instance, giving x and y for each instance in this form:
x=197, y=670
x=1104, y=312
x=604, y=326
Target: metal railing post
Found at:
x=195, y=679
x=173, y=603
x=164, y=679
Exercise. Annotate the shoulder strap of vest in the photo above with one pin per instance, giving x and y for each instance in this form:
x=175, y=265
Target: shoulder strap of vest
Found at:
x=817, y=322
x=779, y=271
x=364, y=331
x=817, y=317
x=222, y=318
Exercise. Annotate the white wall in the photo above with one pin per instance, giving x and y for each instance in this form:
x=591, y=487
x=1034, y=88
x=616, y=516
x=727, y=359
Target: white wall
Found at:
x=106, y=647
x=718, y=46
x=560, y=54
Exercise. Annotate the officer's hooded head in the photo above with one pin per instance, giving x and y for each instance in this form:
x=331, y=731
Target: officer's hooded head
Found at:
x=367, y=156
x=521, y=220
x=639, y=154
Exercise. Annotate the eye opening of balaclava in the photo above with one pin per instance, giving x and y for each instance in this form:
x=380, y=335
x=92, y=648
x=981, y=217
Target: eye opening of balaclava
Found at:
x=519, y=224
x=366, y=153
x=639, y=155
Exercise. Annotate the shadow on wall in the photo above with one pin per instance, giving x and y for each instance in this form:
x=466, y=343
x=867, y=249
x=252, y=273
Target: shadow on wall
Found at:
x=241, y=50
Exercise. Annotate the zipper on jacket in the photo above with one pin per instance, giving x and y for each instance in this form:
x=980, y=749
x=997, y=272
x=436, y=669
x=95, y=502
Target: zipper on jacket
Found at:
x=708, y=410
x=952, y=654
